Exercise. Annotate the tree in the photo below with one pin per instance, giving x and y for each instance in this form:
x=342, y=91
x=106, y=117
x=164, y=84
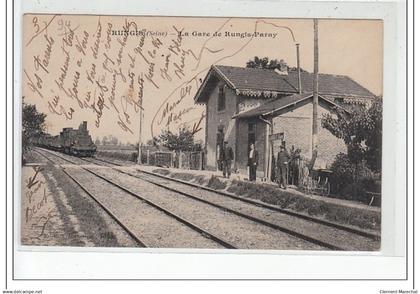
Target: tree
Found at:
x=266, y=63
x=183, y=141
x=97, y=141
x=361, y=131
x=153, y=142
x=105, y=140
x=33, y=124
x=113, y=140
x=110, y=140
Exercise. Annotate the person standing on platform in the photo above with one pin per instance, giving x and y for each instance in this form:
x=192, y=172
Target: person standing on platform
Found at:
x=282, y=163
x=227, y=159
x=253, y=163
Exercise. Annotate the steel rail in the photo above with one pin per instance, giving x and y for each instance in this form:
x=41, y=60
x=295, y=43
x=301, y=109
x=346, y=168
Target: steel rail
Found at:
x=356, y=231
x=133, y=235
x=113, y=216
x=246, y=216
x=107, y=161
x=274, y=208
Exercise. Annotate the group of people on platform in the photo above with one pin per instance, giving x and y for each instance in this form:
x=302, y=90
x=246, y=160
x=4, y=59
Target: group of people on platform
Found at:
x=283, y=158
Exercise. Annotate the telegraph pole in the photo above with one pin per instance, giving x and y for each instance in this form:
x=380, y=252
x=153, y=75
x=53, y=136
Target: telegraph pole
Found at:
x=315, y=93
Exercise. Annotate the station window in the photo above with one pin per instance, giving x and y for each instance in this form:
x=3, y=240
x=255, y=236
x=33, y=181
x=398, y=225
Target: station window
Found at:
x=221, y=102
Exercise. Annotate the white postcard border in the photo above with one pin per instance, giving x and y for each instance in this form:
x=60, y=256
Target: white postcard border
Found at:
x=80, y=263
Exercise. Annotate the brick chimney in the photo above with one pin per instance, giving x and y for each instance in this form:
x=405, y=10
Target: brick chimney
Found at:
x=298, y=68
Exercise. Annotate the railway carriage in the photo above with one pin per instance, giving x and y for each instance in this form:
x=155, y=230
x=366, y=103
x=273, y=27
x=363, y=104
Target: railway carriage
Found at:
x=71, y=141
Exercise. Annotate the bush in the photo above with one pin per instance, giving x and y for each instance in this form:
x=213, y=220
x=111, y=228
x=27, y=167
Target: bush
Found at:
x=351, y=181
x=161, y=171
x=362, y=218
x=200, y=180
x=216, y=184
x=182, y=176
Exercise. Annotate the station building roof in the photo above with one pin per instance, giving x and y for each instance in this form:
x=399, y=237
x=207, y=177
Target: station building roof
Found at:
x=267, y=83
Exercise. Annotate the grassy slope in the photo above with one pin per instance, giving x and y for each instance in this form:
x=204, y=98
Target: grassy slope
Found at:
x=366, y=219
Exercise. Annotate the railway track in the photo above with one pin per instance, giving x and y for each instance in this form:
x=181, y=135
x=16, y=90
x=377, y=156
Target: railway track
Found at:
x=366, y=234
x=189, y=224
x=371, y=235
x=108, y=211
x=154, y=179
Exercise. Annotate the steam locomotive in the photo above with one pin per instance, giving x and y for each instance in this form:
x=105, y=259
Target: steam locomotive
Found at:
x=71, y=141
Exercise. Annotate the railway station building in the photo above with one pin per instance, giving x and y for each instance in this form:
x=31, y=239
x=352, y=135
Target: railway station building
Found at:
x=266, y=107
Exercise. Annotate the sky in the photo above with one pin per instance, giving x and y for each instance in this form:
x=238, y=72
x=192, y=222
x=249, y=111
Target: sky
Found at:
x=89, y=68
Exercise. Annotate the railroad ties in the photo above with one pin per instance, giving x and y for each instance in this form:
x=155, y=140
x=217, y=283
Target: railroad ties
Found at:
x=224, y=220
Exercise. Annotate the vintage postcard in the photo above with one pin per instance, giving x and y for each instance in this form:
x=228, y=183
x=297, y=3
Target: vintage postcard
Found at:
x=201, y=133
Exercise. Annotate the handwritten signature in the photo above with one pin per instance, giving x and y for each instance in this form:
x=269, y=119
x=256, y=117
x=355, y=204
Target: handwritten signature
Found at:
x=88, y=76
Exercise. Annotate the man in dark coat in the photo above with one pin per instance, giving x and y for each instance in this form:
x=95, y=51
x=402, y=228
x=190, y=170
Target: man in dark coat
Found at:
x=282, y=162
x=227, y=157
x=253, y=163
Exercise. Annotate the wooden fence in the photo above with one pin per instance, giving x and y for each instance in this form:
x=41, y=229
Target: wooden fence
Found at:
x=184, y=160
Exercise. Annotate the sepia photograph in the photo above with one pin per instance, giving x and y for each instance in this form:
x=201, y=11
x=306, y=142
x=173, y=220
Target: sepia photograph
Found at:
x=201, y=132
